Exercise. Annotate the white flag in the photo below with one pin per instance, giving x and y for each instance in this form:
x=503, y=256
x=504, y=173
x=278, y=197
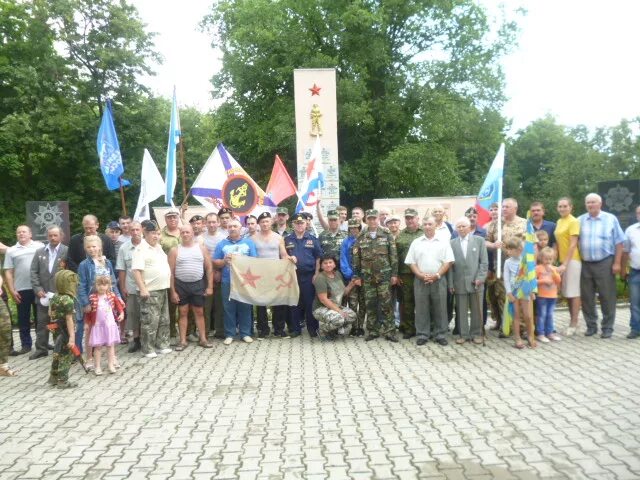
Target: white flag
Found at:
x=151, y=187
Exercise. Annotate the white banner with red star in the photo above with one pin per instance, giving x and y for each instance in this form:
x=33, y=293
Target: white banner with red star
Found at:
x=264, y=281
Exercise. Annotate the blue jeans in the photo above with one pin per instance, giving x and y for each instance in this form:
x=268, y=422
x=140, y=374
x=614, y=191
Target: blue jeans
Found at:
x=25, y=307
x=237, y=315
x=634, y=298
x=544, y=320
x=79, y=325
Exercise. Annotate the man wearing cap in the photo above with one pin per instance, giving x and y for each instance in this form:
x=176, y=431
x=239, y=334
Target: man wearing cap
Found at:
x=306, y=250
x=170, y=238
x=429, y=258
x=355, y=298
x=46, y=262
x=331, y=239
x=405, y=277
x=213, y=313
x=375, y=262
x=152, y=275
x=280, y=225
x=237, y=315
x=270, y=245
x=77, y=254
x=393, y=224
x=224, y=217
x=127, y=283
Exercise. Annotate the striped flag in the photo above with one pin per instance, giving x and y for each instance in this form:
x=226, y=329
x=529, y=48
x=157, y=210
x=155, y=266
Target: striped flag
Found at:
x=526, y=281
x=174, y=140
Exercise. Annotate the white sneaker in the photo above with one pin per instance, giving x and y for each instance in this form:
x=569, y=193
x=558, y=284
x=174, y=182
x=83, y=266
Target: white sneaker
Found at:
x=151, y=355
x=554, y=337
x=570, y=331
x=228, y=340
x=164, y=351
x=247, y=339
x=542, y=338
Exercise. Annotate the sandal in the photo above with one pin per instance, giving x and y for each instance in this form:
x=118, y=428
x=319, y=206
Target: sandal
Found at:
x=519, y=345
x=7, y=372
x=205, y=344
x=181, y=346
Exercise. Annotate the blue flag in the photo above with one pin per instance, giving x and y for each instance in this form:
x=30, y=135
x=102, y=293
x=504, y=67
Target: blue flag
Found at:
x=174, y=139
x=109, y=151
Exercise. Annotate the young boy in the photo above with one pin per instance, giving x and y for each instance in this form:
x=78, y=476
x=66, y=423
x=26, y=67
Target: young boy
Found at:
x=62, y=313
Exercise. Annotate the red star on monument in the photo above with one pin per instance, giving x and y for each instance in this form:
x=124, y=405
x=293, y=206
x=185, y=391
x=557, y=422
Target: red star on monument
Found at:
x=250, y=278
x=315, y=90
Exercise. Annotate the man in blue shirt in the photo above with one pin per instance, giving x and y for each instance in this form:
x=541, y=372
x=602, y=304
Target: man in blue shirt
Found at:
x=306, y=250
x=355, y=298
x=539, y=223
x=601, y=242
x=237, y=315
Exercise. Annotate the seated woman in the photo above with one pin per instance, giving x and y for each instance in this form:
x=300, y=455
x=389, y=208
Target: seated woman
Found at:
x=334, y=319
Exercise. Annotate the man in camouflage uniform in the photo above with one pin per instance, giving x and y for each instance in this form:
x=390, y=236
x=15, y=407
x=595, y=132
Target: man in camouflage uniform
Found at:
x=5, y=338
x=280, y=224
x=62, y=314
x=355, y=299
x=169, y=238
x=513, y=226
x=406, y=276
x=332, y=238
x=375, y=263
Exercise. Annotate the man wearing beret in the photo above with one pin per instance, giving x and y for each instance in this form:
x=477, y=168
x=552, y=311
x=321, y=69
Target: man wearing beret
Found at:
x=306, y=250
x=375, y=263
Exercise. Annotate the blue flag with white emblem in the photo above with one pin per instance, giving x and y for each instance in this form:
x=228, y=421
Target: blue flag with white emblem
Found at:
x=109, y=151
x=174, y=139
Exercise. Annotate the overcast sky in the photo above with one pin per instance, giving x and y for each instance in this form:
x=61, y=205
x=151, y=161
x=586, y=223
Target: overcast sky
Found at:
x=576, y=59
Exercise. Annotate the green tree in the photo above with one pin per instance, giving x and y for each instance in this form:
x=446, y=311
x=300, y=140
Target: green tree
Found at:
x=394, y=60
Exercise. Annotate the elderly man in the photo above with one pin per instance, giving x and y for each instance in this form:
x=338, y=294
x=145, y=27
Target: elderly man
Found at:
x=306, y=250
x=17, y=267
x=513, y=226
x=601, y=244
x=539, y=223
x=77, y=253
x=213, y=314
x=46, y=262
x=383, y=214
x=631, y=257
x=189, y=262
x=405, y=277
x=375, y=263
x=466, y=280
x=152, y=274
x=237, y=315
x=429, y=258
x=127, y=283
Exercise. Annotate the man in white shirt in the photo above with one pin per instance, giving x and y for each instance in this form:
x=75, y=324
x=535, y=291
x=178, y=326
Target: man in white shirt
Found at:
x=152, y=274
x=429, y=258
x=631, y=257
x=17, y=269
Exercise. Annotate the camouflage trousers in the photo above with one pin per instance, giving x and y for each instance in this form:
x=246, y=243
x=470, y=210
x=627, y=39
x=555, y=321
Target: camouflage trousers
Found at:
x=496, y=296
x=5, y=333
x=61, y=359
x=331, y=322
x=378, y=297
x=407, y=304
x=356, y=302
x=154, y=321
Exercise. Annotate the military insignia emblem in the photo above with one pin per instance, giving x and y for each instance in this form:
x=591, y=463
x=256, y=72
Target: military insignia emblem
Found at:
x=239, y=194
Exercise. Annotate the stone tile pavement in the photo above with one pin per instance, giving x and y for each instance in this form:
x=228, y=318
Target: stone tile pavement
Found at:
x=303, y=408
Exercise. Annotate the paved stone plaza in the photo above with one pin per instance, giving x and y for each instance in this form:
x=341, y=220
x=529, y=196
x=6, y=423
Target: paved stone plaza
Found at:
x=303, y=408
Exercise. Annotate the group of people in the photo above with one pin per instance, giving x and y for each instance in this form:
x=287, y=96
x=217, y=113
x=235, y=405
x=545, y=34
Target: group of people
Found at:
x=362, y=276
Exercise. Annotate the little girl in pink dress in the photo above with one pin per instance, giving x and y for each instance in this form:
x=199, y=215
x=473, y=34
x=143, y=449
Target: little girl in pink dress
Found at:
x=106, y=309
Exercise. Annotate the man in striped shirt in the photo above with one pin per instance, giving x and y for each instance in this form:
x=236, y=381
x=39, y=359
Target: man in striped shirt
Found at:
x=601, y=242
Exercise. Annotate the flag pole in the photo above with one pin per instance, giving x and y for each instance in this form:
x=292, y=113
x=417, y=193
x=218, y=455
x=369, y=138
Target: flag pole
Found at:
x=184, y=171
x=499, y=253
x=124, y=204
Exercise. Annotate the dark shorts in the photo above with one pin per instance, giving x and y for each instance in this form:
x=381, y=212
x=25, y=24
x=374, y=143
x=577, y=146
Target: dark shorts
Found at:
x=191, y=293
